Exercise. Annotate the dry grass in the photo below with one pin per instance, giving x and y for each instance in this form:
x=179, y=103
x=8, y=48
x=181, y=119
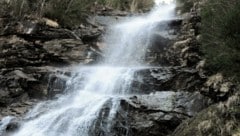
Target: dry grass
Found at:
x=68, y=13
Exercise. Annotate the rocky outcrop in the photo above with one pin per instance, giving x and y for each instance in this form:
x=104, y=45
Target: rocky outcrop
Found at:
x=33, y=50
x=155, y=79
x=157, y=114
x=185, y=53
x=186, y=50
x=218, y=88
x=221, y=119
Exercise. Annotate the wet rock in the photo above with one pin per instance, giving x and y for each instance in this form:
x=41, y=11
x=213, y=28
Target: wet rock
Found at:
x=18, y=78
x=12, y=126
x=167, y=78
x=24, y=61
x=71, y=51
x=90, y=33
x=11, y=116
x=17, y=52
x=56, y=85
x=13, y=86
x=185, y=51
x=114, y=13
x=12, y=120
x=157, y=114
x=32, y=82
x=4, y=124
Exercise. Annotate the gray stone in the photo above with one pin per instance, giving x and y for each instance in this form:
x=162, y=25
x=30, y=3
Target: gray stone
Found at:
x=157, y=114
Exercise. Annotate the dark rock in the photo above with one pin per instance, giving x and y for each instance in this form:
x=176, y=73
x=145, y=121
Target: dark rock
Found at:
x=218, y=88
x=17, y=52
x=23, y=62
x=4, y=124
x=89, y=34
x=166, y=78
x=13, y=126
x=72, y=51
x=151, y=115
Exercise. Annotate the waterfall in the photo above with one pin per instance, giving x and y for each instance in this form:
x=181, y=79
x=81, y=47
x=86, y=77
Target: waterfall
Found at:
x=77, y=112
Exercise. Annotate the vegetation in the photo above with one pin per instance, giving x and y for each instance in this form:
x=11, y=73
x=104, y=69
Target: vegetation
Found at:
x=185, y=5
x=221, y=36
x=220, y=32
x=67, y=12
x=132, y=5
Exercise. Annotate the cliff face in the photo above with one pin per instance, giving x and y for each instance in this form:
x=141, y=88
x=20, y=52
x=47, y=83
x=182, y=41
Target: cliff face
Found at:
x=222, y=117
x=32, y=54
x=38, y=57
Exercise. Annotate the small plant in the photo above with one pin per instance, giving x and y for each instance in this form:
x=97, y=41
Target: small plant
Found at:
x=129, y=5
x=185, y=5
x=221, y=36
x=68, y=13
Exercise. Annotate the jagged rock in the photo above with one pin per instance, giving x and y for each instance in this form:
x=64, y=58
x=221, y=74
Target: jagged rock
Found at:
x=71, y=51
x=18, y=81
x=167, y=78
x=23, y=63
x=17, y=110
x=157, y=114
x=181, y=44
x=218, y=88
x=17, y=52
x=33, y=29
x=113, y=13
x=89, y=34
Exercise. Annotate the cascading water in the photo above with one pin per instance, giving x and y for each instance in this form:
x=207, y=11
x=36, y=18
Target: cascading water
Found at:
x=76, y=112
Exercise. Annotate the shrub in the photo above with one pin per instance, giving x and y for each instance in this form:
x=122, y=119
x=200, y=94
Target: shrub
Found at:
x=68, y=13
x=221, y=36
x=14, y=7
x=129, y=5
x=185, y=5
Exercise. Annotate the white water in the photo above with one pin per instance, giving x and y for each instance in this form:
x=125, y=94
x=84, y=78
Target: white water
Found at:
x=4, y=122
x=91, y=88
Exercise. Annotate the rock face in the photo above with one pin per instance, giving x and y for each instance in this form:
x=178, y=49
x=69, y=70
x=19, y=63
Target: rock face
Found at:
x=32, y=52
x=167, y=78
x=219, y=119
x=157, y=114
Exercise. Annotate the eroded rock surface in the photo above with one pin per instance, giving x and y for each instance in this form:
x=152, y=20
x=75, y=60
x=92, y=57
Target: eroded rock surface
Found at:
x=33, y=53
x=219, y=119
x=157, y=114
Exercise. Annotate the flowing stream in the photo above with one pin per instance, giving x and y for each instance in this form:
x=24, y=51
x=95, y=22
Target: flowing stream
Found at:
x=76, y=112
